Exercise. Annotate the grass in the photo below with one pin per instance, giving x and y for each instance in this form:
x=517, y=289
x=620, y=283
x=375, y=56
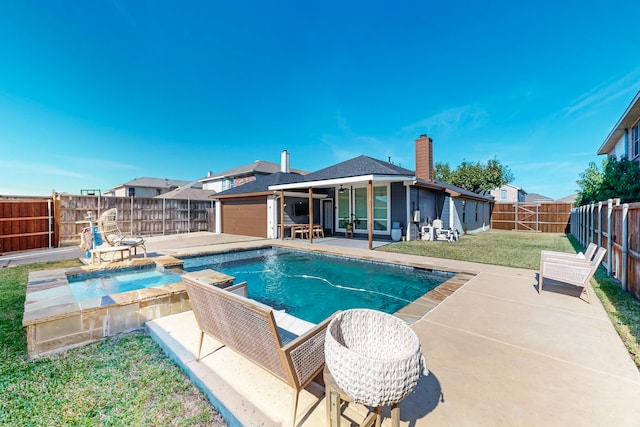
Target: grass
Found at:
x=522, y=250
x=120, y=381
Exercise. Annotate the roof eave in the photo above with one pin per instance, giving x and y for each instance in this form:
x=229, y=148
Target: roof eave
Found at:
x=628, y=119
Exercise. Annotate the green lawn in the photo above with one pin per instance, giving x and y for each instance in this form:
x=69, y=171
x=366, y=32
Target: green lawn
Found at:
x=121, y=381
x=522, y=250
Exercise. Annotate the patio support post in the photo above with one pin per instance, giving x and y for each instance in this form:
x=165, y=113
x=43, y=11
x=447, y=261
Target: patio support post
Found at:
x=281, y=214
x=408, y=214
x=310, y=214
x=370, y=213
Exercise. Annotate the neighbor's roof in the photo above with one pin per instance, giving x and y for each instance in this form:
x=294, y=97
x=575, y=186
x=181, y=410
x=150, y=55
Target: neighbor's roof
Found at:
x=628, y=119
x=260, y=185
x=257, y=167
x=187, y=193
x=535, y=197
x=147, y=182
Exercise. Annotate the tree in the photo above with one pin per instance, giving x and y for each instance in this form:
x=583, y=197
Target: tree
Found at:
x=476, y=177
x=442, y=172
x=590, y=182
x=618, y=179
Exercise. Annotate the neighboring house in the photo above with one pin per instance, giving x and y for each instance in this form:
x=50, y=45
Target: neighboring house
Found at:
x=357, y=190
x=148, y=187
x=569, y=199
x=243, y=174
x=624, y=139
x=187, y=192
x=508, y=194
x=537, y=198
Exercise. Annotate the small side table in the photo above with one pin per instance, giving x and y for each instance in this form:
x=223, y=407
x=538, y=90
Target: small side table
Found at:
x=335, y=396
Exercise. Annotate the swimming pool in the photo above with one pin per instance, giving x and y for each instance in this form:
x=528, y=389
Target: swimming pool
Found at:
x=108, y=282
x=313, y=286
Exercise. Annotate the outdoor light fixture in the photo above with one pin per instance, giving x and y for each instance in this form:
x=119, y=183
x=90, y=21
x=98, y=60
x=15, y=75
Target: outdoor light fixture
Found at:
x=341, y=190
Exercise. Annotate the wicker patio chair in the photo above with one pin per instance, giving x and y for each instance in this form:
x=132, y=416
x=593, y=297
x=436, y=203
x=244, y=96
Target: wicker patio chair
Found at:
x=249, y=328
x=571, y=270
x=108, y=228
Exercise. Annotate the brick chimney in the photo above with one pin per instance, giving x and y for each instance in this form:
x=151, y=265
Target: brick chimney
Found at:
x=424, y=158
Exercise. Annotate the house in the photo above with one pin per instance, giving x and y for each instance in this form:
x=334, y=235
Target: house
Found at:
x=241, y=175
x=149, y=187
x=187, y=192
x=372, y=194
x=508, y=194
x=624, y=139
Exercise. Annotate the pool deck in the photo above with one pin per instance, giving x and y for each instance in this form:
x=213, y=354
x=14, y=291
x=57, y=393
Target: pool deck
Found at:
x=498, y=353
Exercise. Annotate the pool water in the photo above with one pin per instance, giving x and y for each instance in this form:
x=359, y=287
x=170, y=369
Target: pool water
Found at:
x=313, y=286
x=110, y=282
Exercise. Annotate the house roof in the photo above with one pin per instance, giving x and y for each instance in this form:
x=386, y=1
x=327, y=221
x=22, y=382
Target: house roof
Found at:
x=358, y=167
x=147, y=182
x=258, y=167
x=628, y=119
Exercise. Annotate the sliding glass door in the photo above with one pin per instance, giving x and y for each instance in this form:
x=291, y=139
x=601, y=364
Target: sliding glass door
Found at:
x=353, y=205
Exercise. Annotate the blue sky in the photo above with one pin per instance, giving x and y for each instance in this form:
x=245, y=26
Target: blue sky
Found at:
x=96, y=93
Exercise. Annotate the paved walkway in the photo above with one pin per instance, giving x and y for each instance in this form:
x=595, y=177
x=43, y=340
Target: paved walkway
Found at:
x=499, y=354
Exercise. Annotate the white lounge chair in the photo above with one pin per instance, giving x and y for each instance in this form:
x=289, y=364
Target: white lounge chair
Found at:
x=571, y=270
x=588, y=254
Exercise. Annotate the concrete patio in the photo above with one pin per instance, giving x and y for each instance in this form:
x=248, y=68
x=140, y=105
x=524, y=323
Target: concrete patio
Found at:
x=498, y=353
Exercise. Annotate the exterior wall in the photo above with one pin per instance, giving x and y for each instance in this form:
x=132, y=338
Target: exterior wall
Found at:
x=460, y=214
x=398, y=200
x=514, y=194
x=213, y=185
x=620, y=149
x=140, y=192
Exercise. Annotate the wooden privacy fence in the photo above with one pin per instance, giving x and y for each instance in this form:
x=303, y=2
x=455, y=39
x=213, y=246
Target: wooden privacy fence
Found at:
x=617, y=228
x=26, y=224
x=136, y=215
x=37, y=223
x=546, y=217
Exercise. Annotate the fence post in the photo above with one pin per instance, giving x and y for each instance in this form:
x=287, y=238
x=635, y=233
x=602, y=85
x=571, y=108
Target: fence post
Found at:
x=515, y=207
x=625, y=245
x=610, y=236
x=599, y=224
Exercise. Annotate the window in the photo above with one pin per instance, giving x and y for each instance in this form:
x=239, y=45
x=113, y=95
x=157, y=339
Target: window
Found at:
x=477, y=208
x=635, y=140
x=380, y=219
x=360, y=209
x=503, y=194
x=464, y=212
x=343, y=208
x=132, y=192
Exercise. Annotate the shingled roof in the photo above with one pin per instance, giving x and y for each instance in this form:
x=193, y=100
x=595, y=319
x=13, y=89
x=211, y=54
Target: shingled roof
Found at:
x=261, y=184
x=358, y=166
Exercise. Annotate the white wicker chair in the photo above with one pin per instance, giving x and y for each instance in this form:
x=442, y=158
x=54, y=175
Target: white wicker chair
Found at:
x=111, y=234
x=571, y=270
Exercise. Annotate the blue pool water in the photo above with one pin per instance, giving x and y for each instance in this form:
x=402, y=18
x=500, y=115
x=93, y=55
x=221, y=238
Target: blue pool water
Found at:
x=312, y=286
x=110, y=282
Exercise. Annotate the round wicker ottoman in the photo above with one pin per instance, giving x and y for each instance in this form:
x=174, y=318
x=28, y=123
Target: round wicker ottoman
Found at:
x=374, y=357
